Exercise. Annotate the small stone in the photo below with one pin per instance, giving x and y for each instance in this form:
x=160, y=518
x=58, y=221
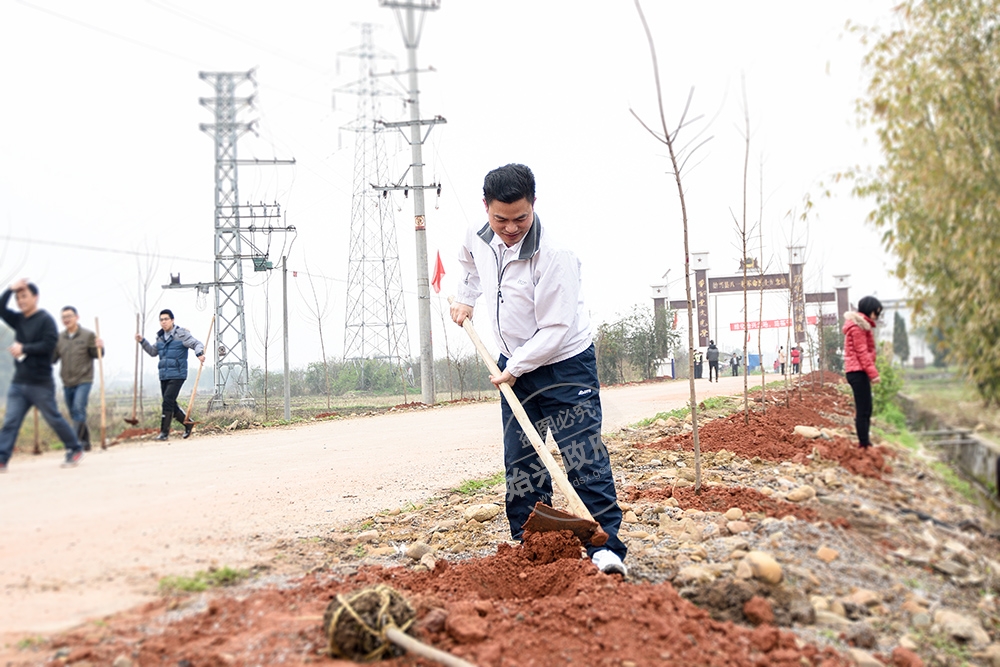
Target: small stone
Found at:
x=764, y=567
x=367, y=536
x=736, y=527
x=481, y=513
x=864, y=658
x=734, y=514
x=434, y=620
x=427, y=560
x=693, y=574
x=743, y=569
x=831, y=620
x=921, y=620
x=630, y=517
x=810, y=432
x=122, y=661
x=466, y=629
x=951, y=568
x=826, y=554
x=417, y=550
x=382, y=551
x=864, y=597
x=655, y=462
x=990, y=656
x=801, y=494
x=758, y=611
x=961, y=627
x=913, y=607
x=634, y=534
x=907, y=643
x=819, y=603
x=862, y=636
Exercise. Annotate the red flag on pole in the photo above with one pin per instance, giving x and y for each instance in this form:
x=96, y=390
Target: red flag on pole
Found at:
x=438, y=274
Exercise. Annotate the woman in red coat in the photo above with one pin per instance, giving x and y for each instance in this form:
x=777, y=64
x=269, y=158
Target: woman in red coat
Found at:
x=859, y=361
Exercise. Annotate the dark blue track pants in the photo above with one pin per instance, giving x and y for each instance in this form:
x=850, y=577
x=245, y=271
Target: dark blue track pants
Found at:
x=563, y=398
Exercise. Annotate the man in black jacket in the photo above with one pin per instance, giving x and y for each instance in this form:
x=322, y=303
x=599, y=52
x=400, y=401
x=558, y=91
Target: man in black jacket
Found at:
x=713, y=360
x=35, y=337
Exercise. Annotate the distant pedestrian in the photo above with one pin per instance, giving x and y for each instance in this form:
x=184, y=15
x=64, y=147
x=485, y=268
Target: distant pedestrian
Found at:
x=781, y=359
x=699, y=361
x=859, y=362
x=172, y=345
x=712, y=354
x=76, y=350
x=35, y=337
x=734, y=365
x=796, y=360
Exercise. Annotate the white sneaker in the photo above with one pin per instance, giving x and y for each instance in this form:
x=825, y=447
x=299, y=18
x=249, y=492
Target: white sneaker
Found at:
x=607, y=561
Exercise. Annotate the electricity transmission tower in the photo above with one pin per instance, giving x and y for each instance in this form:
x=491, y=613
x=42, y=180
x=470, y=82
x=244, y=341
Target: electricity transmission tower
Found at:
x=406, y=17
x=230, y=350
x=375, y=326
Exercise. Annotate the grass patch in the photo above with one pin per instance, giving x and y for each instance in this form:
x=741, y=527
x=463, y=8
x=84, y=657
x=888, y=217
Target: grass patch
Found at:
x=951, y=478
x=201, y=581
x=472, y=486
x=716, y=405
x=30, y=643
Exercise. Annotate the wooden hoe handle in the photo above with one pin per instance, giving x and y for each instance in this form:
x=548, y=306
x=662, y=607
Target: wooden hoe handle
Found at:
x=559, y=478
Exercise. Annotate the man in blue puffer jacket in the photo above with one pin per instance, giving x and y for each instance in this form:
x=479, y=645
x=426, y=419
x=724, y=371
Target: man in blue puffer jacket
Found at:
x=172, y=344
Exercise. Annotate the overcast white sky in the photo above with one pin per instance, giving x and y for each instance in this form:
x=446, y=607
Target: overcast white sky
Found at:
x=100, y=147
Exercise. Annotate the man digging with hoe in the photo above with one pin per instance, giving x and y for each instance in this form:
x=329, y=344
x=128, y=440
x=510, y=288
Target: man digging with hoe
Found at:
x=535, y=306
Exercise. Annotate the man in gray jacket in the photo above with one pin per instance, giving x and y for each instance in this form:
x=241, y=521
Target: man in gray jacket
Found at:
x=76, y=349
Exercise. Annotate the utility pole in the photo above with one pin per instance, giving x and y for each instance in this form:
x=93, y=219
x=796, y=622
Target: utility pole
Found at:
x=231, y=371
x=406, y=17
x=284, y=319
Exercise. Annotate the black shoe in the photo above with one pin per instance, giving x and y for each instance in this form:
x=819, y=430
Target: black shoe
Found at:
x=162, y=436
x=86, y=446
x=187, y=430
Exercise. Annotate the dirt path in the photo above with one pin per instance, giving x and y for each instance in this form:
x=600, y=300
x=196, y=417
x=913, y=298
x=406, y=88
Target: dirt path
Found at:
x=87, y=542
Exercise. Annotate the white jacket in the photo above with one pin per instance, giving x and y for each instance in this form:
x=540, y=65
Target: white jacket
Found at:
x=533, y=296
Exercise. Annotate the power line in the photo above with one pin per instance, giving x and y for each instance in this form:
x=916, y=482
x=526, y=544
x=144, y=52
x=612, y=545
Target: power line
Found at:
x=114, y=251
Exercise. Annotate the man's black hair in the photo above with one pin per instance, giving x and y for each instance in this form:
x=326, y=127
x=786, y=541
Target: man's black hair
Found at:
x=167, y=311
x=870, y=306
x=509, y=183
x=33, y=288
x=65, y=308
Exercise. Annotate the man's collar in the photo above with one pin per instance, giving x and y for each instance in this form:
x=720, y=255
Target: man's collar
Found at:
x=529, y=243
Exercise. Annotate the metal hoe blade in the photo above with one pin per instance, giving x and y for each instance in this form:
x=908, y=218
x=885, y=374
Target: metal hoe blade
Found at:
x=545, y=519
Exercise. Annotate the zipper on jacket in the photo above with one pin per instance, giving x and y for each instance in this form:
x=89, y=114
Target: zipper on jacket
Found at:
x=500, y=269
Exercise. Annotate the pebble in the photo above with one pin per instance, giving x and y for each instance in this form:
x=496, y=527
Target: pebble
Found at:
x=831, y=620
x=655, y=462
x=381, y=551
x=734, y=514
x=366, y=537
x=764, y=567
x=481, y=513
x=864, y=658
x=417, y=550
x=693, y=574
x=427, y=560
x=801, y=494
x=826, y=554
x=735, y=527
x=122, y=661
x=810, y=432
x=630, y=517
x=962, y=627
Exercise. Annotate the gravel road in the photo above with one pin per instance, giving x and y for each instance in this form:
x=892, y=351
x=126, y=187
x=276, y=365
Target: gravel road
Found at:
x=90, y=541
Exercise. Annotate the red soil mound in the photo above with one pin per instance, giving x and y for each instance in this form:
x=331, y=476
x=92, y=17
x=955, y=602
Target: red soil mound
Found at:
x=534, y=605
x=771, y=434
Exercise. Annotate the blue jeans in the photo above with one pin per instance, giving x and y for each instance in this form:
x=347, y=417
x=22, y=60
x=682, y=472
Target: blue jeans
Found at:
x=76, y=401
x=564, y=398
x=20, y=398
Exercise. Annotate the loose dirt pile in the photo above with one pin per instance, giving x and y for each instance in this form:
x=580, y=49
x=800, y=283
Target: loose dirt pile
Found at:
x=532, y=605
x=796, y=551
x=770, y=434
